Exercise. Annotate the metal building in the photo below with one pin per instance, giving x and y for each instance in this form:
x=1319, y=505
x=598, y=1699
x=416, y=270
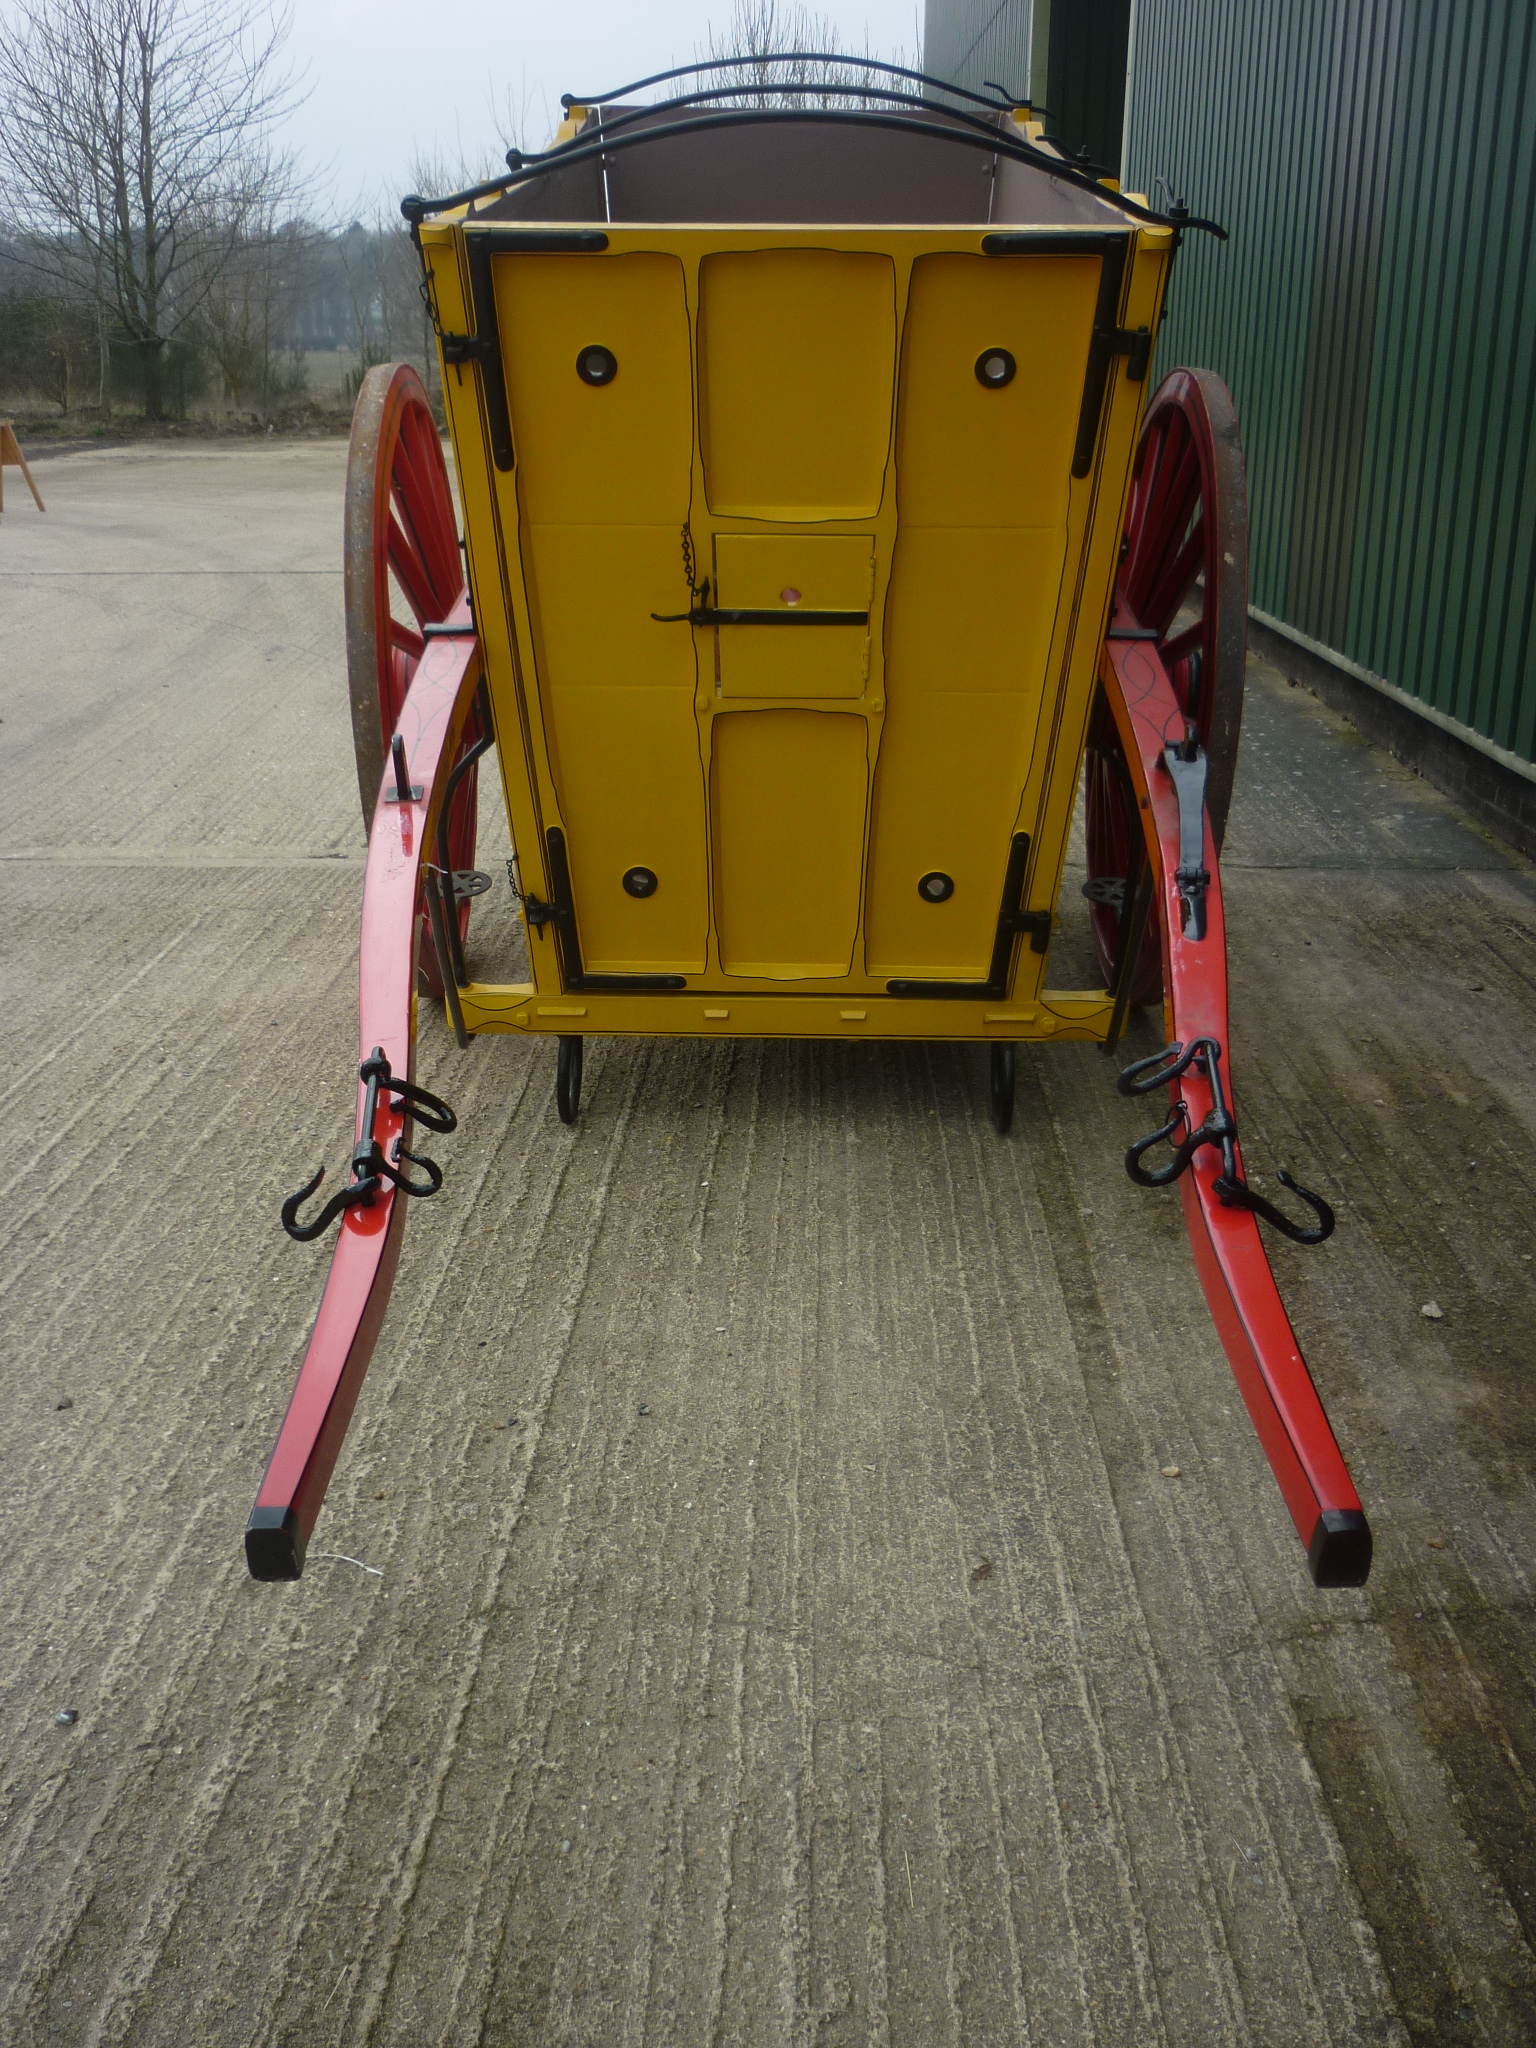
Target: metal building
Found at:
x=1067, y=55
x=1374, y=314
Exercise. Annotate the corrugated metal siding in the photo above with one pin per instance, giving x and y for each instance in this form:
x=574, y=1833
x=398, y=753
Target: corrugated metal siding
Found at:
x=1074, y=63
x=1085, y=87
x=970, y=41
x=1374, y=314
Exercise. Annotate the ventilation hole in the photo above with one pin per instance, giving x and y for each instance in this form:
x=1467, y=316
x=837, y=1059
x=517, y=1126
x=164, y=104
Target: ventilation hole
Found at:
x=598, y=365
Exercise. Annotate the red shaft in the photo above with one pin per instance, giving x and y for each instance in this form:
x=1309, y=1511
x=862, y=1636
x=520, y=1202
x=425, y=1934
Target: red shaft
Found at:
x=1245, y=1303
x=432, y=720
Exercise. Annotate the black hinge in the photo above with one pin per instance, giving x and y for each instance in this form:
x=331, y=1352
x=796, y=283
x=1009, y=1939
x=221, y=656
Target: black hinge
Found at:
x=1134, y=343
x=1034, y=924
x=468, y=348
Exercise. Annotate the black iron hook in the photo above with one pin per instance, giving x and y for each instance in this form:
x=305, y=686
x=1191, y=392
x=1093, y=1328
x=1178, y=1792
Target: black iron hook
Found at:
x=404, y=1183
x=425, y=1107
x=359, y=1192
x=1211, y=1132
x=1236, y=1194
x=1141, y=1077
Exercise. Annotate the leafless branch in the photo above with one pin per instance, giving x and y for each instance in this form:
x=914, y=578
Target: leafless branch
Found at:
x=138, y=137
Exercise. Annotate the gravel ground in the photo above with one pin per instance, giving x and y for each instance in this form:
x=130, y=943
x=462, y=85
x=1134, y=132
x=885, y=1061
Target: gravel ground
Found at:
x=751, y=1606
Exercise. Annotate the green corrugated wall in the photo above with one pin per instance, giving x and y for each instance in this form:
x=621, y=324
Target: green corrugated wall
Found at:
x=1061, y=62
x=1374, y=311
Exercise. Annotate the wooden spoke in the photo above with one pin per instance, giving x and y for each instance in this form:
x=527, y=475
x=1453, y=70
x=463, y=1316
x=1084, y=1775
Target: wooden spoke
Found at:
x=1175, y=580
x=411, y=572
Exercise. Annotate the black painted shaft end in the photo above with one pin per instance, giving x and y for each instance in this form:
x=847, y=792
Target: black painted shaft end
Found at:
x=274, y=1544
x=1340, y=1551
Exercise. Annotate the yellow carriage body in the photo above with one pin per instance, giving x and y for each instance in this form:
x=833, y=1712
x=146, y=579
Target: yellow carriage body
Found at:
x=791, y=544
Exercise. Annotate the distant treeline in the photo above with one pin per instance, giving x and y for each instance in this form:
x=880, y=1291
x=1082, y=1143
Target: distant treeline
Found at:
x=268, y=301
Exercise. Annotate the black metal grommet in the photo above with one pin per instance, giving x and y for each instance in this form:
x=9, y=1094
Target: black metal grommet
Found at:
x=936, y=888
x=995, y=368
x=598, y=365
x=640, y=882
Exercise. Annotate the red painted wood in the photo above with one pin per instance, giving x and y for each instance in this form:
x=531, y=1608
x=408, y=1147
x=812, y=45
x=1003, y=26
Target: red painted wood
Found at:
x=432, y=720
x=1245, y=1303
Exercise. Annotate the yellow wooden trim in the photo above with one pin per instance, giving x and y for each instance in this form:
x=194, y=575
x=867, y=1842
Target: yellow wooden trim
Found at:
x=514, y=1007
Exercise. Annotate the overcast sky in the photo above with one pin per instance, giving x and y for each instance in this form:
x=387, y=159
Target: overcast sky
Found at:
x=393, y=79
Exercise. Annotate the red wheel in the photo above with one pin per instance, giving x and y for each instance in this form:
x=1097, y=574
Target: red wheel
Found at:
x=1184, y=574
x=403, y=572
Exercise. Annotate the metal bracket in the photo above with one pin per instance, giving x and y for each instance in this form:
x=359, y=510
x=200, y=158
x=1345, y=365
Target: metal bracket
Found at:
x=468, y=348
x=1134, y=343
x=1033, y=924
x=1186, y=765
x=405, y=791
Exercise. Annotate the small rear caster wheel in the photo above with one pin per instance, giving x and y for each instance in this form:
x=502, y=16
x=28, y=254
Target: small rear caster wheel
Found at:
x=568, y=1080
x=1001, y=1088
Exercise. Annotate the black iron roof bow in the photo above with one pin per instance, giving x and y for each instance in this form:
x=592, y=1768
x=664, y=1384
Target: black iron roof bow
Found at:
x=898, y=112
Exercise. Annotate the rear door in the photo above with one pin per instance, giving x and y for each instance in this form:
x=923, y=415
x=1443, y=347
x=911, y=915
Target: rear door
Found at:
x=993, y=358
x=599, y=369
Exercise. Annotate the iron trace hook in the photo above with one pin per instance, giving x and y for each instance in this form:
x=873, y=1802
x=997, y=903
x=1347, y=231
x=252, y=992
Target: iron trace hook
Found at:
x=1236, y=1194
x=360, y=1191
x=403, y=1182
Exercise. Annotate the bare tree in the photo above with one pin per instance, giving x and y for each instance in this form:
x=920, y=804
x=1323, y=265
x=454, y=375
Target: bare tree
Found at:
x=782, y=30
x=135, y=136
x=252, y=300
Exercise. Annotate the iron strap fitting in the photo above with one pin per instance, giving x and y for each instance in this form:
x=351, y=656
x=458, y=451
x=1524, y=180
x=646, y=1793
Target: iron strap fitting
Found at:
x=1035, y=925
x=1186, y=765
x=468, y=348
x=370, y=1168
x=1220, y=1129
x=1134, y=343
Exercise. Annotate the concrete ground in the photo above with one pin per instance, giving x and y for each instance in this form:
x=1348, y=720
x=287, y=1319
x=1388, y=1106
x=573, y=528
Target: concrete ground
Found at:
x=751, y=1606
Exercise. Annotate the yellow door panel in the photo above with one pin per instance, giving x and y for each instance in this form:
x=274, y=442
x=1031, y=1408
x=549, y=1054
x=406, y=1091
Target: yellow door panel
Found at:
x=797, y=358
x=829, y=572
x=794, y=572
x=972, y=608
x=947, y=790
x=788, y=799
x=632, y=796
x=593, y=590
x=603, y=474
x=971, y=455
x=618, y=452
